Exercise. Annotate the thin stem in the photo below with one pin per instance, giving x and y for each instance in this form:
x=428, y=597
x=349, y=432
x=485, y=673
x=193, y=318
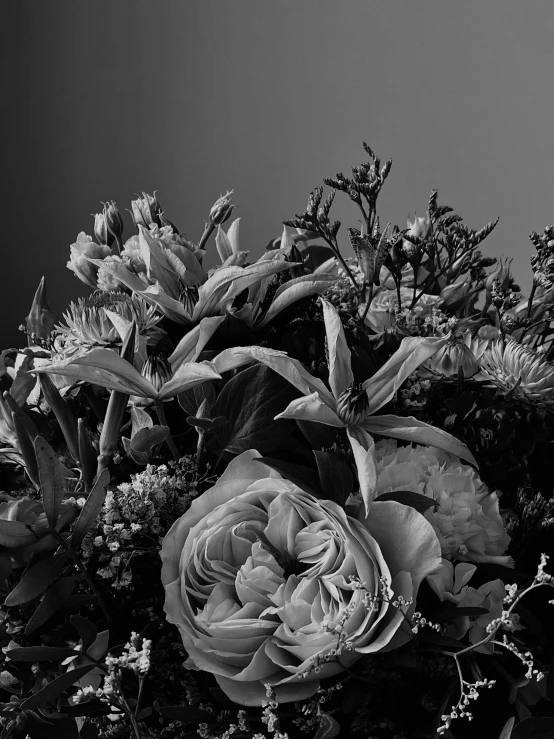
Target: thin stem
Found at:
x=208, y=230
x=163, y=421
x=530, y=301
x=90, y=582
x=368, y=303
x=336, y=252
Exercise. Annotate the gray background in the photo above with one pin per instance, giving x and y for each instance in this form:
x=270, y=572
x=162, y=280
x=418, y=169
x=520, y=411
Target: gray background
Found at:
x=105, y=98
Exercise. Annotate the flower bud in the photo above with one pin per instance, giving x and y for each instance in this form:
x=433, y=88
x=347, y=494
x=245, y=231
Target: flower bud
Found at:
x=452, y=357
x=421, y=227
x=157, y=371
x=146, y=211
x=221, y=209
x=41, y=319
x=108, y=225
x=83, y=250
x=352, y=405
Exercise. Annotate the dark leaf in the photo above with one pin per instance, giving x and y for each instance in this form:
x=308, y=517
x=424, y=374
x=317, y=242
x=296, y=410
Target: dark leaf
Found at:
x=91, y=509
x=148, y=438
x=207, y=424
x=186, y=714
x=38, y=654
x=90, y=708
x=15, y=534
x=304, y=477
x=36, y=579
x=55, y=688
x=456, y=612
x=438, y=640
x=250, y=401
x=87, y=630
x=318, y=435
x=191, y=400
x=421, y=503
x=329, y=727
x=538, y=727
x=54, y=599
x=51, y=477
x=461, y=404
x=335, y=476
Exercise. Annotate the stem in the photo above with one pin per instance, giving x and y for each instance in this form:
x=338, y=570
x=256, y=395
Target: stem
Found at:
x=530, y=301
x=208, y=230
x=368, y=303
x=163, y=421
x=336, y=252
x=81, y=567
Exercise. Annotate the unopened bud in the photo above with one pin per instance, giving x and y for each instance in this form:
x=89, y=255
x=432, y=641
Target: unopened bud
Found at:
x=353, y=404
x=157, y=371
x=108, y=225
x=40, y=321
x=221, y=209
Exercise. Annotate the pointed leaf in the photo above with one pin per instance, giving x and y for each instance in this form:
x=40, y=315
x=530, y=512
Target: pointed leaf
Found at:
x=335, y=477
x=194, y=341
x=55, y=688
x=186, y=376
x=51, y=477
x=15, y=534
x=233, y=235
x=36, y=579
x=91, y=509
x=38, y=654
x=87, y=630
x=340, y=371
x=54, y=599
x=417, y=432
x=222, y=244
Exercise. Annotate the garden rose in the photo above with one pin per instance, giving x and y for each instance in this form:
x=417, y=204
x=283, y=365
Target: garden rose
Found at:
x=467, y=518
x=258, y=581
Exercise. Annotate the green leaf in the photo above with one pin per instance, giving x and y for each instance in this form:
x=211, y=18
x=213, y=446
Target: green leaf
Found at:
x=421, y=503
x=26, y=446
x=538, y=727
x=55, y=688
x=15, y=534
x=507, y=730
x=250, y=401
x=207, y=424
x=87, y=630
x=51, y=477
x=335, y=476
x=304, y=477
x=294, y=290
x=91, y=509
x=54, y=599
x=329, y=727
x=36, y=579
x=40, y=654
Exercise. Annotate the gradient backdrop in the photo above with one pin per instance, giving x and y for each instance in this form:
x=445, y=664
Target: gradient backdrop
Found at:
x=102, y=99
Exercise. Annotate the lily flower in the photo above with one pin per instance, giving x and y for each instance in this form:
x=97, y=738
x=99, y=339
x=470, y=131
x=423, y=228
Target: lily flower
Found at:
x=350, y=405
x=106, y=368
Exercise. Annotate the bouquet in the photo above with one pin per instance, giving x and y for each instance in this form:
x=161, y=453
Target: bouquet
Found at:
x=307, y=494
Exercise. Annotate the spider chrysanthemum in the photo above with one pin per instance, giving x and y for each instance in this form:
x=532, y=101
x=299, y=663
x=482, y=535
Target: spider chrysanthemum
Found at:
x=521, y=371
x=88, y=325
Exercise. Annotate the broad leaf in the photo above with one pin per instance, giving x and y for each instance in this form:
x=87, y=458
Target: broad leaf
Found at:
x=36, y=579
x=304, y=477
x=87, y=630
x=335, y=477
x=51, y=477
x=39, y=654
x=420, y=502
x=294, y=290
x=250, y=401
x=538, y=727
x=15, y=534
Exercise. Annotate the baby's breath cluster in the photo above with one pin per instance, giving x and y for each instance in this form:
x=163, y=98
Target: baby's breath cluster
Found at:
x=136, y=515
x=433, y=322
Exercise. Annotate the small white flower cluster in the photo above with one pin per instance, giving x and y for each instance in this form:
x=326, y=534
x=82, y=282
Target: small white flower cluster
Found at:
x=269, y=714
x=469, y=692
x=134, y=659
x=143, y=510
x=312, y=715
x=433, y=322
x=419, y=621
x=414, y=392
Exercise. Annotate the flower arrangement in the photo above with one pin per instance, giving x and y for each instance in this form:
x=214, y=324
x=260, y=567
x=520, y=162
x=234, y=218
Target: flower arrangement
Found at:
x=307, y=494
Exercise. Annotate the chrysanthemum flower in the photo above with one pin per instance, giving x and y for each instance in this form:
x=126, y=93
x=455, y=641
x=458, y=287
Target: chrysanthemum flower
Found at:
x=88, y=325
x=517, y=369
x=466, y=518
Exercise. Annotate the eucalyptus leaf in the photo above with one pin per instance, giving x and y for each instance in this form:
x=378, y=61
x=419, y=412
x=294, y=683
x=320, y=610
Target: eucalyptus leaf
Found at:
x=36, y=579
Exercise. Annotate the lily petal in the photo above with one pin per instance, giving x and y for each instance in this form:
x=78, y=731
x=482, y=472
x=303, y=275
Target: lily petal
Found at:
x=186, y=376
x=412, y=352
x=417, y=432
x=294, y=290
x=280, y=362
x=340, y=371
x=190, y=346
x=311, y=408
x=363, y=447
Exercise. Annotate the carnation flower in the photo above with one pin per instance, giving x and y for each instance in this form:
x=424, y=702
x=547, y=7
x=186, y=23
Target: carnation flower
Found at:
x=269, y=585
x=517, y=369
x=466, y=518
